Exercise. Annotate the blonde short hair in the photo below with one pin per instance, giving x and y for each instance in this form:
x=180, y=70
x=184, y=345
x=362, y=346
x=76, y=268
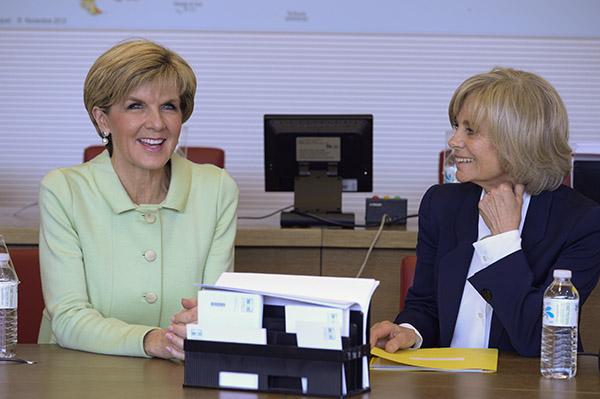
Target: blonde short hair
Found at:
x=528, y=124
x=130, y=64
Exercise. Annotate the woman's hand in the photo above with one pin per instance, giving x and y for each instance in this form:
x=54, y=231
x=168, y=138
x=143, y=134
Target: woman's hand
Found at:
x=177, y=331
x=501, y=208
x=391, y=337
x=156, y=344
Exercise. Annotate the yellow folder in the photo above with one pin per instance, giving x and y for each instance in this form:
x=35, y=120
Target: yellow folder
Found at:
x=437, y=359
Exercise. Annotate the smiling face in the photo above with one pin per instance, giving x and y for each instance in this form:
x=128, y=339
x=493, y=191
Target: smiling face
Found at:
x=476, y=158
x=144, y=126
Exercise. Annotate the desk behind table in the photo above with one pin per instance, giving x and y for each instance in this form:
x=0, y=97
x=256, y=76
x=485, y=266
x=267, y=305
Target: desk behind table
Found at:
x=62, y=373
x=266, y=248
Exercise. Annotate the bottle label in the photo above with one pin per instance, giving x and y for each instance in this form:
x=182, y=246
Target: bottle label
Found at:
x=8, y=295
x=560, y=312
x=450, y=174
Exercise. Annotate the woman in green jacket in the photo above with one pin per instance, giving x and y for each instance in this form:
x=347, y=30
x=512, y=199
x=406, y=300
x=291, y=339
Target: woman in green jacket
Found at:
x=125, y=236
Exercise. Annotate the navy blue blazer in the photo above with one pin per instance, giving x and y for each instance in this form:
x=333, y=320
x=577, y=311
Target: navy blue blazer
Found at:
x=561, y=231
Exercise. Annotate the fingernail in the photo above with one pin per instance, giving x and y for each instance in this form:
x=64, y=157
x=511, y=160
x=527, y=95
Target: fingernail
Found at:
x=170, y=328
x=169, y=336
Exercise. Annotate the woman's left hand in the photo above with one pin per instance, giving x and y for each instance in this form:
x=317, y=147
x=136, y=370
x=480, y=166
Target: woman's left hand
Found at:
x=500, y=208
x=177, y=331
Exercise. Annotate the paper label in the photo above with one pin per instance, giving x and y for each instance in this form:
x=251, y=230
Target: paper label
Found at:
x=318, y=314
x=228, y=379
x=560, y=312
x=318, y=335
x=229, y=309
x=8, y=295
x=318, y=149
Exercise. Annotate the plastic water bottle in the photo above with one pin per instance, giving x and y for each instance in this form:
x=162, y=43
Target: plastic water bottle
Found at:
x=450, y=174
x=559, y=328
x=449, y=168
x=8, y=308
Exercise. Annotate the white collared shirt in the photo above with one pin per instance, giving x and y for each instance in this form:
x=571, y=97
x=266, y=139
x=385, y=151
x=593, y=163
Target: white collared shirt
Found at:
x=474, y=321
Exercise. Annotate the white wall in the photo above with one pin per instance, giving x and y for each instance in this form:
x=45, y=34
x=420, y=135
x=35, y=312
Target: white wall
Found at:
x=404, y=80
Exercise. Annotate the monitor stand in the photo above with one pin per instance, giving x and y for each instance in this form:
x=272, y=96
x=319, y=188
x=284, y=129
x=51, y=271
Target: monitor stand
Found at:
x=320, y=195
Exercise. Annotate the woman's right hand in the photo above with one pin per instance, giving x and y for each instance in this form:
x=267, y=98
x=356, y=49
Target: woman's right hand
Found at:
x=391, y=337
x=156, y=343
x=177, y=331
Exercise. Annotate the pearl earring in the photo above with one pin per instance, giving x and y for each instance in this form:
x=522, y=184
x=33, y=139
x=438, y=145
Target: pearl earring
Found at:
x=105, y=137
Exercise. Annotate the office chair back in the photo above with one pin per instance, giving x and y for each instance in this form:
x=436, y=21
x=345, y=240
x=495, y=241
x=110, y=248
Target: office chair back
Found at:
x=407, y=275
x=92, y=152
x=31, y=300
x=441, y=158
x=211, y=155
x=589, y=322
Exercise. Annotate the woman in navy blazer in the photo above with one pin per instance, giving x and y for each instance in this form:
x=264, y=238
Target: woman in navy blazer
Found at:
x=487, y=247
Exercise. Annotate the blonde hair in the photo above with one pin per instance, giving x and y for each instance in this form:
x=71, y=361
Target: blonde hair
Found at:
x=527, y=121
x=130, y=64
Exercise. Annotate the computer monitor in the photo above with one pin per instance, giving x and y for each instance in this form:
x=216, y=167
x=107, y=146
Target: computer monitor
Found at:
x=586, y=175
x=317, y=157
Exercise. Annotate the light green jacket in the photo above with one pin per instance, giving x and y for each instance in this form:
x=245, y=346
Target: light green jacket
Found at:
x=113, y=270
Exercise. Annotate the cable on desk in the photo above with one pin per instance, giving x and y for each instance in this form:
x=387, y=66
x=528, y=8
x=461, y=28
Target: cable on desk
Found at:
x=375, y=239
x=268, y=215
x=27, y=206
x=389, y=222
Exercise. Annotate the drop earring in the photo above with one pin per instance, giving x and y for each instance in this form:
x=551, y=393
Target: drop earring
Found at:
x=105, y=137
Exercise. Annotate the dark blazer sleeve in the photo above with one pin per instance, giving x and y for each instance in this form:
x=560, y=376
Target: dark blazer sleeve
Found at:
x=421, y=306
x=515, y=284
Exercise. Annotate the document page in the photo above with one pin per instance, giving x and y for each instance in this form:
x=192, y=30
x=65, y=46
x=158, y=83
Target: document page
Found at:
x=436, y=359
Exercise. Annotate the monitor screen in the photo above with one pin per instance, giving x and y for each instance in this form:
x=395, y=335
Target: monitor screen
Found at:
x=317, y=157
x=341, y=145
x=586, y=175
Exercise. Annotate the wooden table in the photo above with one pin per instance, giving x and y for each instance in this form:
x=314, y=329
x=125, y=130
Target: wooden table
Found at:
x=64, y=374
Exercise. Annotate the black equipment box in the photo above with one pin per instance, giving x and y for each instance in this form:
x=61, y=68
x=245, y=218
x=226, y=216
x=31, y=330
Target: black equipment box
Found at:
x=395, y=208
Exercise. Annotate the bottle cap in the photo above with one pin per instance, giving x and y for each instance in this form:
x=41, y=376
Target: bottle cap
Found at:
x=4, y=257
x=561, y=273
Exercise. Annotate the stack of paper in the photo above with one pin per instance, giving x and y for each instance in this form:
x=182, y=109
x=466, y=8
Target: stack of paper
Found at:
x=338, y=292
x=437, y=359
